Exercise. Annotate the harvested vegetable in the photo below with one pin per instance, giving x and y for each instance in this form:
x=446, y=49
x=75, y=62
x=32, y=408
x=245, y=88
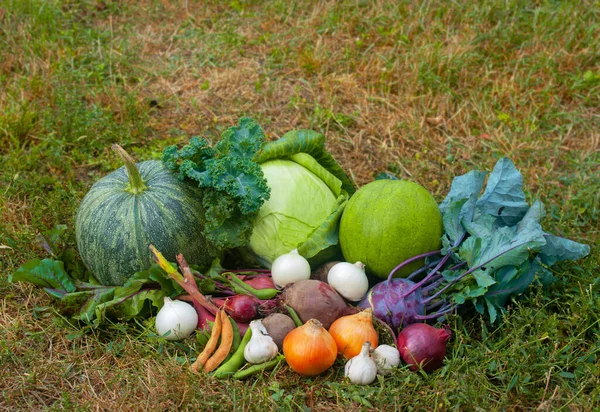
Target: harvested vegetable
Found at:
x=361, y=369
x=312, y=299
x=211, y=345
x=493, y=248
x=254, y=369
x=255, y=192
x=350, y=332
x=423, y=346
x=349, y=280
x=388, y=221
x=387, y=358
x=236, y=361
x=309, y=349
x=321, y=272
x=290, y=268
x=226, y=342
x=134, y=206
x=261, y=347
x=177, y=319
x=278, y=326
x=241, y=308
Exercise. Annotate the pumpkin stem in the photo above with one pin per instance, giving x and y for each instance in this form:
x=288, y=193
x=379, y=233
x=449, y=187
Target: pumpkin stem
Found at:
x=136, y=183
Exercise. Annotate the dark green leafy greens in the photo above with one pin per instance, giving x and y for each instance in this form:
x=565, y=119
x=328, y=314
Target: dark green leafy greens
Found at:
x=234, y=185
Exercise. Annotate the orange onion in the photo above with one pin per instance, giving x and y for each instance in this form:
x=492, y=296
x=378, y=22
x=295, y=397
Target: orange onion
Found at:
x=352, y=331
x=309, y=349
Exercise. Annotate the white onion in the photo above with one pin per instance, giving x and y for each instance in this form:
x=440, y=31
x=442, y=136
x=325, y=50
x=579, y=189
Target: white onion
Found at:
x=349, y=280
x=178, y=317
x=289, y=268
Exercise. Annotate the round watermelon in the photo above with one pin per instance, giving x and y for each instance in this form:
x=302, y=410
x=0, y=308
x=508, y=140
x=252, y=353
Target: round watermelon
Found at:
x=133, y=207
x=387, y=222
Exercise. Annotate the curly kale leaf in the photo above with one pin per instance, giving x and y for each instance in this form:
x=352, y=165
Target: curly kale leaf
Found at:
x=234, y=185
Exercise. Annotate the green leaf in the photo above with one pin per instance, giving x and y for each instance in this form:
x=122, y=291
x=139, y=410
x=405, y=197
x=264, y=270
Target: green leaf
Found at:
x=52, y=241
x=459, y=204
x=491, y=311
x=305, y=141
x=324, y=240
x=309, y=162
x=47, y=273
x=483, y=279
x=503, y=196
x=511, y=281
x=558, y=249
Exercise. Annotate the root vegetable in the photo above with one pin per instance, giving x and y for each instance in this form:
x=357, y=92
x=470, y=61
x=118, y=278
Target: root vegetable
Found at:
x=313, y=299
x=422, y=345
x=278, y=326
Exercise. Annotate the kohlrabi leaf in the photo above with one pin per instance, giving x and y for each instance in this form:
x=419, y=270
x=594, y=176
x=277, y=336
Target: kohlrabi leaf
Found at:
x=503, y=196
x=558, y=249
x=459, y=204
x=511, y=281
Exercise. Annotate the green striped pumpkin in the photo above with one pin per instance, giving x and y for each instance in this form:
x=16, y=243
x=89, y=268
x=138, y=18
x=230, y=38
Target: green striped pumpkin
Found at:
x=133, y=207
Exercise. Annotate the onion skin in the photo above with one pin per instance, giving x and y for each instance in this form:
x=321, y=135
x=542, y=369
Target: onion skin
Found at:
x=424, y=345
x=309, y=349
x=352, y=331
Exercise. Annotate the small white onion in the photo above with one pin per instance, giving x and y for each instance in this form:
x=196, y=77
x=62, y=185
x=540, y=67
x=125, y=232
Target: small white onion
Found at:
x=289, y=268
x=349, y=280
x=178, y=317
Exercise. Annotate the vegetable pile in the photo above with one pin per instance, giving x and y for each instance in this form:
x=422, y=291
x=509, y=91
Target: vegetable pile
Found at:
x=317, y=274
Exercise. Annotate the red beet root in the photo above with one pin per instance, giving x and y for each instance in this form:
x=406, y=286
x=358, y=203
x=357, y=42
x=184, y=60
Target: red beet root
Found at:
x=424, y=345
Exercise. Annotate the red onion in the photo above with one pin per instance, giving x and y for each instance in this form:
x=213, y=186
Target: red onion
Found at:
x=242, y=308
x=421, y=344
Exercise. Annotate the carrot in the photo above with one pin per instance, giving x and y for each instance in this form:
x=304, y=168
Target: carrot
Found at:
x=211, y=344
x=226, y=342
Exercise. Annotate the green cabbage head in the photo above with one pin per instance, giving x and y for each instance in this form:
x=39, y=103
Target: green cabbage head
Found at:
x=308, y=194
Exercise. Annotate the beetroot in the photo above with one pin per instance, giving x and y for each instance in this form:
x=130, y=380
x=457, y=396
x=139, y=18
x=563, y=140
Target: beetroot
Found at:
x=423, y=345
x=310, y=299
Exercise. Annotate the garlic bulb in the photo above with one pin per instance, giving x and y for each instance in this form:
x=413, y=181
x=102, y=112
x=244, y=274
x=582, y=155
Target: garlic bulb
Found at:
x=361, y=369
x=386, y=358
x=178, y=318
x=261, y=347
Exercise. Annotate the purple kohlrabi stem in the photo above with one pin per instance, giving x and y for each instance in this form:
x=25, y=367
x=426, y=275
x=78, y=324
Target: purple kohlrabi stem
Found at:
x=422, y=269
x=452, y=282
x=437, y=314
x=409, y=261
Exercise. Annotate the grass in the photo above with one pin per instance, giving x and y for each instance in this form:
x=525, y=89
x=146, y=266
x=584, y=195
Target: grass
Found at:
x=427, y=90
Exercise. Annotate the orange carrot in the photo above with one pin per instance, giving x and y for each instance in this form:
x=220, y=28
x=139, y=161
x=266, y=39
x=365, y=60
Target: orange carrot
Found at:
x=226, y=342
x=211, y=344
